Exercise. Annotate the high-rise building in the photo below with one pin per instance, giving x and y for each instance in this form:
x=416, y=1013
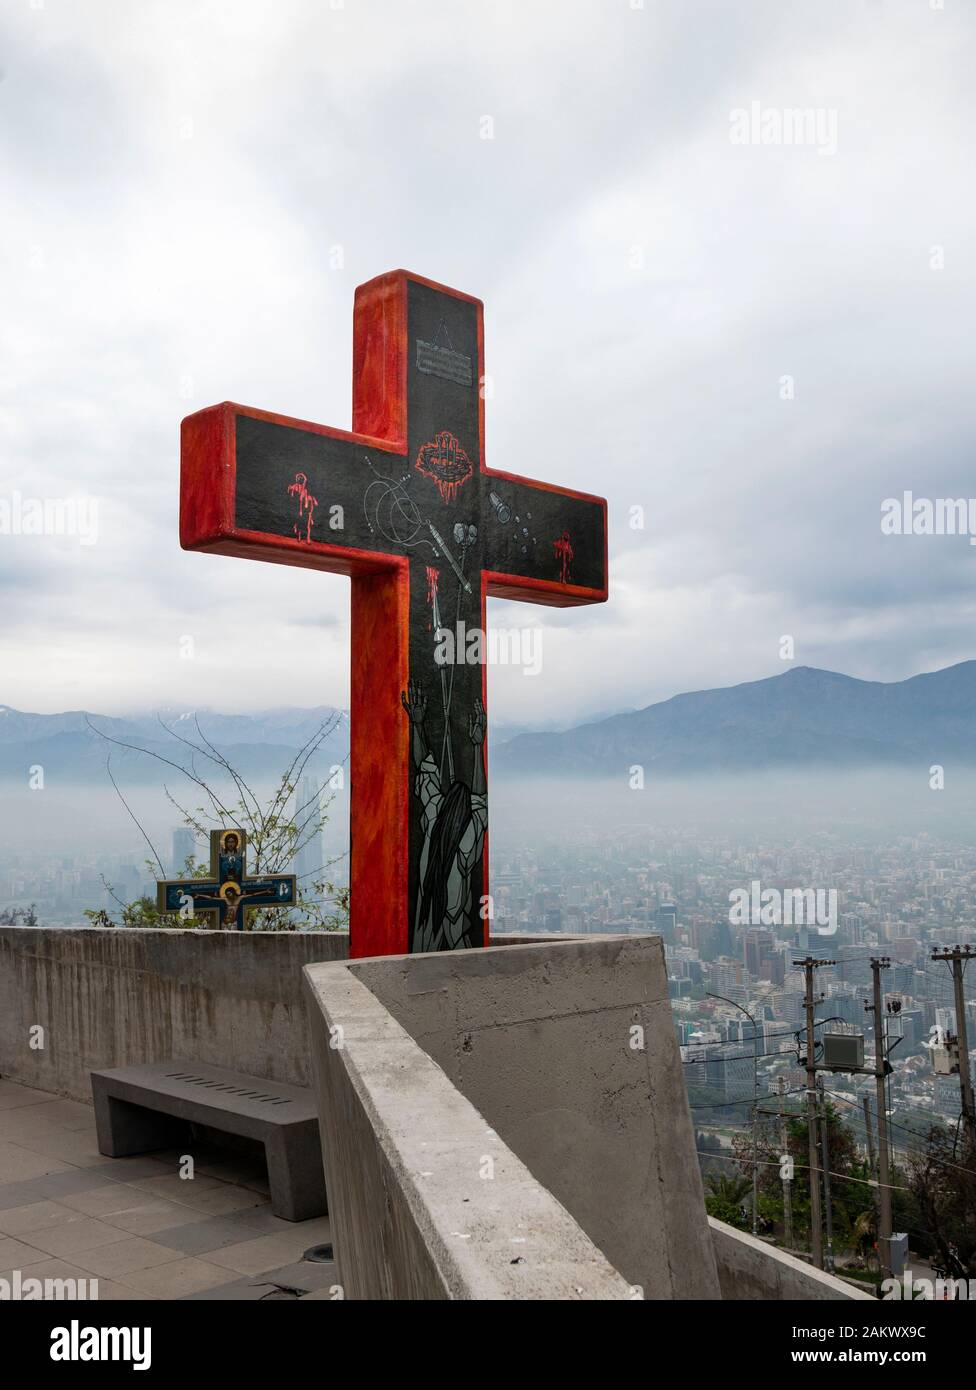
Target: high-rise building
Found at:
x=184, y=845
x=789, y=1007
x=667, y=921
x=722, y=939
x=309, y=863
x=772, y=967
x=732, y=1077
x=757, y=947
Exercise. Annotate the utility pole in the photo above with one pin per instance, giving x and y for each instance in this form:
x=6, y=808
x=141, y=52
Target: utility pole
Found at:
x=755, y=1128
x=810, y=964
x=870, y=1134
x=755, y=1103
x=872, y=1167
x=828, y=1209
x=957, y=958
x=879, y=963
x=787, y=1183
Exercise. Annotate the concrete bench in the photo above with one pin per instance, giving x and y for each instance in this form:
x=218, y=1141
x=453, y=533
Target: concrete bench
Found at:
x=141, y=1108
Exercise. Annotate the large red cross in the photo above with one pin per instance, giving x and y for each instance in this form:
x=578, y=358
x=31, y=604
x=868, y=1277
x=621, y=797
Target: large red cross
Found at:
x=406, y=507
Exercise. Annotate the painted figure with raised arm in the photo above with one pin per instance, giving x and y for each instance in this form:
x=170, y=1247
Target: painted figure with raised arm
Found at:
x=454, y=822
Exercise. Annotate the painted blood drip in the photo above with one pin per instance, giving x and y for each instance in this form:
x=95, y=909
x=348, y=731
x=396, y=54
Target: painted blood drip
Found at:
x=563, y=551
x=306, y=507
x=445, y=460
x=433, y=576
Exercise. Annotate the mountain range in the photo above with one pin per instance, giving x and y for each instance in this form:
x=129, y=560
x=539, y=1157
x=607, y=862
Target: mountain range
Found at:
x=802, y=716
x=73, y=746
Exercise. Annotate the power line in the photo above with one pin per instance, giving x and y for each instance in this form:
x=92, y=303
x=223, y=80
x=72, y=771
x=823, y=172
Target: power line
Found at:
x=805, y=1167
x=749, y=1056
x=916, y=1153
x=748, y=1100
x=766, y=1037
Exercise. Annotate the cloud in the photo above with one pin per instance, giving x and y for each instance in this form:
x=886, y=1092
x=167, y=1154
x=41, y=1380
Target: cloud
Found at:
x=175, y=176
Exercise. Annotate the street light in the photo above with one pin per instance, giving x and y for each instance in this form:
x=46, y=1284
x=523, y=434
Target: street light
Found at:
x=755, y=1104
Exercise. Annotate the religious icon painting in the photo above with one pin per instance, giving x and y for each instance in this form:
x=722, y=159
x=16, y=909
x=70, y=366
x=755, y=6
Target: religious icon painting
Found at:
x=223, y=899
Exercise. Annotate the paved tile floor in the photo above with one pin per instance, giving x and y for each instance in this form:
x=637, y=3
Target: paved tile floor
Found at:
x=135, y=1224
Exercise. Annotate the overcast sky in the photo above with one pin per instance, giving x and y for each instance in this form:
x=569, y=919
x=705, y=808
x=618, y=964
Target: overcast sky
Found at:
x=174, y=178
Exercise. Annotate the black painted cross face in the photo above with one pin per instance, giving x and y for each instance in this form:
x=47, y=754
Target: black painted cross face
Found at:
x=463, y=533
x=315, y=487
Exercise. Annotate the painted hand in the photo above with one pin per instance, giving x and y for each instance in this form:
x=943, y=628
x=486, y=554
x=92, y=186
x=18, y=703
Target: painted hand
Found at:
x=416, y=704
x=476, y=723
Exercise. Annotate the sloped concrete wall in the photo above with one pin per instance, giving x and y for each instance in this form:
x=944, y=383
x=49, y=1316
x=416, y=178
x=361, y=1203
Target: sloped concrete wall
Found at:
x=750, y=1269
x=568, y=1050
x=426, y=1201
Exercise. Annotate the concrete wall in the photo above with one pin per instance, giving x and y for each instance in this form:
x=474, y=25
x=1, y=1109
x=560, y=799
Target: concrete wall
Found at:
x=108, y=997
x=414, y=1213
x=554, y=1089
x=750, y=1269
x=539, y=1040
